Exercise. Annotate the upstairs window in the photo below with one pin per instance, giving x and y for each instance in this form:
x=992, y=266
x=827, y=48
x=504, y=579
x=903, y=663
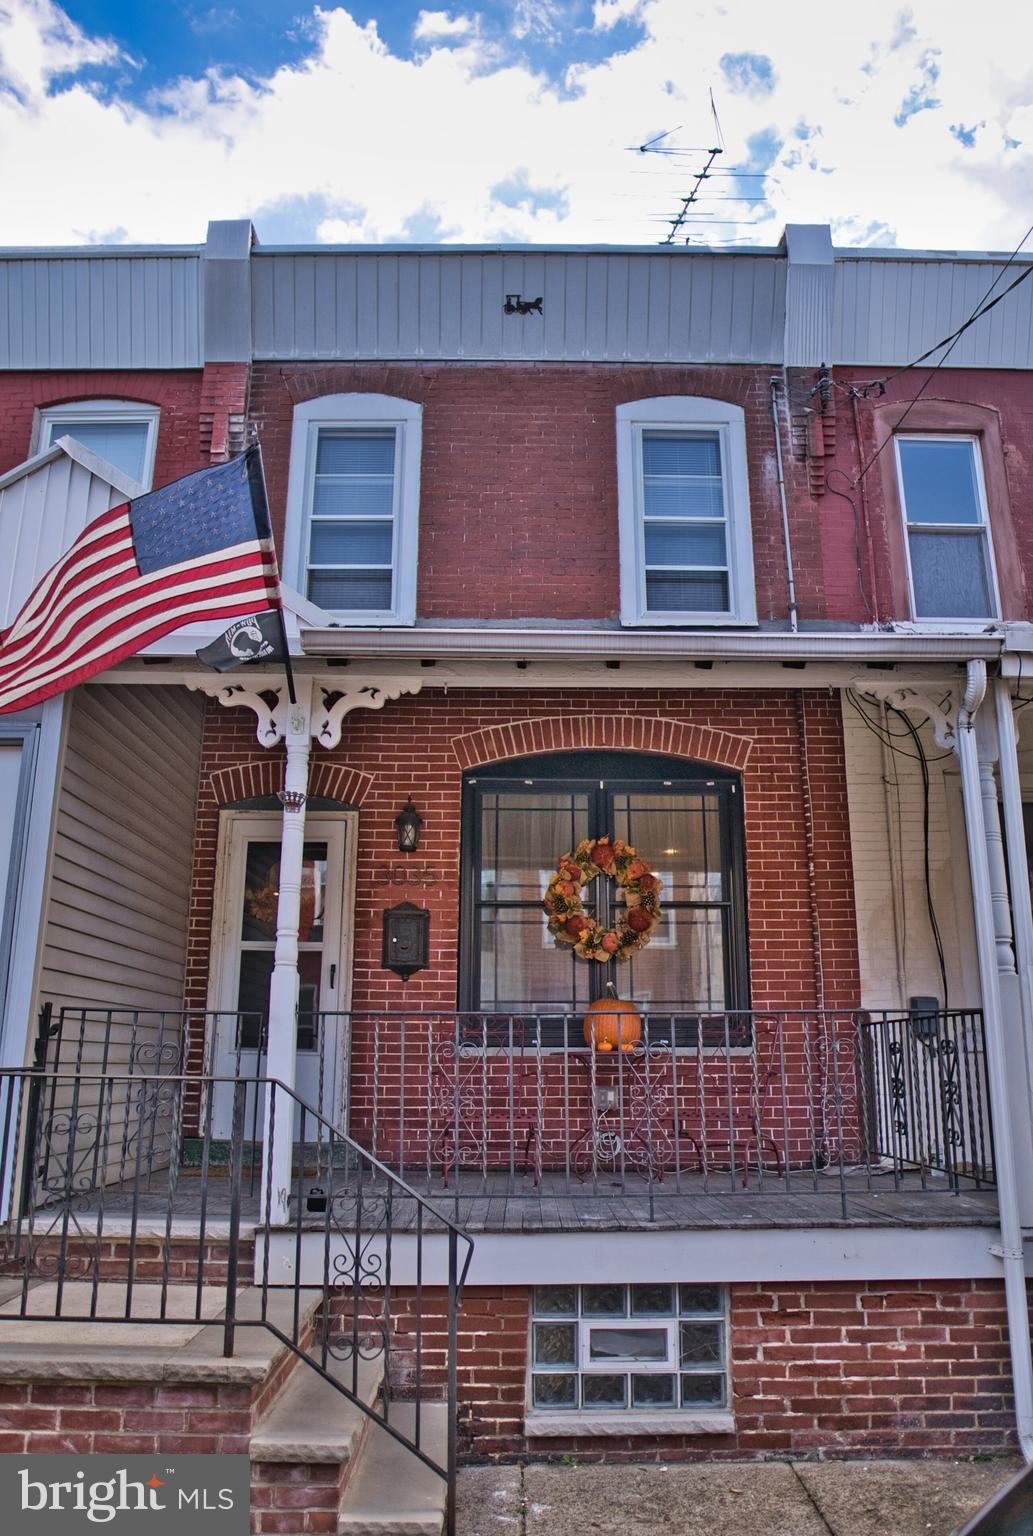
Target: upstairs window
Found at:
x=120, y=432
x=950, y=554
x=686, y=546
x=353, y=506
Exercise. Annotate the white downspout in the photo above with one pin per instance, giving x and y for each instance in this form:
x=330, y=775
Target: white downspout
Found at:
x=790, y=579
x=1011, y=1253
x=281, y=1051
x=1018, y=867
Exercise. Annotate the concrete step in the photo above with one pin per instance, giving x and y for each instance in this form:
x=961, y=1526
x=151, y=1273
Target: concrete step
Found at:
x=178, y=1348
x=390, y=1492
x=310, y=1421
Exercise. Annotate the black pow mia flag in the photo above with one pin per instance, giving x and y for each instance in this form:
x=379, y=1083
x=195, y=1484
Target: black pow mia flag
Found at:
x=259, y=637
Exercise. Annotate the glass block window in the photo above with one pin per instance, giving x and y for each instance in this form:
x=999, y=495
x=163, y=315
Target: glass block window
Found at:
x=684, y=513
x=636, y=1347
x=950, y=558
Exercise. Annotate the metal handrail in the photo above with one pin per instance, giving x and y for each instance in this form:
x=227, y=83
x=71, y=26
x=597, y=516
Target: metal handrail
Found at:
x=80, y=1149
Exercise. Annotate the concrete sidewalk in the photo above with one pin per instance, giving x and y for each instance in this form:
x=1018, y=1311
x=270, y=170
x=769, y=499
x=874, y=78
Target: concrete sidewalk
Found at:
x=872, y=1498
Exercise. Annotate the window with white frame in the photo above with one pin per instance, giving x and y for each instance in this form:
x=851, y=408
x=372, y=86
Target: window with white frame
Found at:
x=121, y=432
x=353, y=506
x=683, y=500
x=949, y=549
x=635, y=1347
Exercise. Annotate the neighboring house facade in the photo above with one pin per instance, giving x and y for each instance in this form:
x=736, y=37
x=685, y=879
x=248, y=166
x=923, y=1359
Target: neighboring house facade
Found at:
x=670, y=558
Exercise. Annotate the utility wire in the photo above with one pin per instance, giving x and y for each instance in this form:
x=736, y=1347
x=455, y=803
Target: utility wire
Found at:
x=985, y=305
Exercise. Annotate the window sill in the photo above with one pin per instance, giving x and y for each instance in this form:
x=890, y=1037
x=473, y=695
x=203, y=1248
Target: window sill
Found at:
x=710, y=1421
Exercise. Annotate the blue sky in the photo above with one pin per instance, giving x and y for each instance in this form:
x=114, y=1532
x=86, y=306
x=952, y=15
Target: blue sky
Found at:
x=514, y=121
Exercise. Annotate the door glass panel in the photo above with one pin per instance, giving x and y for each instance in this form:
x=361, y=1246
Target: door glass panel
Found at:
x=258, y=939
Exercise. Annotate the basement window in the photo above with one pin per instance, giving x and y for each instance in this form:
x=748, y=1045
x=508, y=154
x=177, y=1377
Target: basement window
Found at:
x=640, y=1349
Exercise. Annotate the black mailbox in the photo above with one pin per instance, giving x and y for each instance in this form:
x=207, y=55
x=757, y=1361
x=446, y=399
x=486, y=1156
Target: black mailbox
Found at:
x=406, y=939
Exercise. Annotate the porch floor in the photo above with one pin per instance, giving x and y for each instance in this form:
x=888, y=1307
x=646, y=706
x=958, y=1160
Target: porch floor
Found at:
x=499, y=1203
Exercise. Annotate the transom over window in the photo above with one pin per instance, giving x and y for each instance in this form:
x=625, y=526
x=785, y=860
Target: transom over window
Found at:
x=950, y=555
x=686, y=547
x=352, y=506
x=599, y=1347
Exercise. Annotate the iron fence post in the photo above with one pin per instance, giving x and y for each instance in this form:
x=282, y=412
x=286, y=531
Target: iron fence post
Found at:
x=232, y=1256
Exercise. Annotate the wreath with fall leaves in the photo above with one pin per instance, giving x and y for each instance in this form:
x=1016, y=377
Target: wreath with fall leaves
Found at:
x=569, y=923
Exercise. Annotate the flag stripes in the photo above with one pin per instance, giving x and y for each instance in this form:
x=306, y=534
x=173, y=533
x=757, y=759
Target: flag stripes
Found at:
x=96, y=606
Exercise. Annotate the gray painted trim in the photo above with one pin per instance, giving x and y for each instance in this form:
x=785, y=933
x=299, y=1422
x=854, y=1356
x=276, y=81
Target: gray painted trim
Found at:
x=226, y=280
x=722, y=1255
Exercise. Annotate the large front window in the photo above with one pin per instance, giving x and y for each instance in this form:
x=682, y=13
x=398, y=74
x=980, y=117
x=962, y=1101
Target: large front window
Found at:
x=683, y=819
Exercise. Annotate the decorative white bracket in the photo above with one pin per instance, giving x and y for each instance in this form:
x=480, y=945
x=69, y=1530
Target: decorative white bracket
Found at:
x=941, y=706
x=273, y=711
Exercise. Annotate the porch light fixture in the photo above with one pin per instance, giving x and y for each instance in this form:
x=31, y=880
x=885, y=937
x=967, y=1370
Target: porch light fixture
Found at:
x=409, y=824
x=291, y=799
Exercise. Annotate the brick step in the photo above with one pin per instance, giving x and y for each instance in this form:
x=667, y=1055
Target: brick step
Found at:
x=390, y=1493
x=305, y=1447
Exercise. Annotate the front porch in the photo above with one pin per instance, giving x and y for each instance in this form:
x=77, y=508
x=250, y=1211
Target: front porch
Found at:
x=513, y=1123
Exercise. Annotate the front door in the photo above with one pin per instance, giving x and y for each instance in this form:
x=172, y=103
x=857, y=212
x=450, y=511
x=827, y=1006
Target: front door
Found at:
x=245, y=941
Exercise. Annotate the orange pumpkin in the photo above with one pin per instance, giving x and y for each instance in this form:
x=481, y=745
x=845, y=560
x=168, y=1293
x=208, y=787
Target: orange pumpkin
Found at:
x=612, y=1021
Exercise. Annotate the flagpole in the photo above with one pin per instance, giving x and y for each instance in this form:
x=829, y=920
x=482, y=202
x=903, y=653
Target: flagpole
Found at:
x=292, y=696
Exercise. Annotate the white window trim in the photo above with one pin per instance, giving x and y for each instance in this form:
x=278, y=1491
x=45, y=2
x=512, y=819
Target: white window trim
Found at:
x=343, y=411
x=681, y=412
x=928, y=621
x=51, y=423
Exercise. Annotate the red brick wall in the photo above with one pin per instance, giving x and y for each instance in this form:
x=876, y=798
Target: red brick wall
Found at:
x=518, y=495
x=178, y=394
x=410, y=746
x=834, y=1368
x=801, y=924
x=202, y=414
x=868, y=535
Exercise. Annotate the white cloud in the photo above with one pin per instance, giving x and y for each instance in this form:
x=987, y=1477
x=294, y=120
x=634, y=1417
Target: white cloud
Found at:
x=438, y=25
x=389, y=146
x=607, y=13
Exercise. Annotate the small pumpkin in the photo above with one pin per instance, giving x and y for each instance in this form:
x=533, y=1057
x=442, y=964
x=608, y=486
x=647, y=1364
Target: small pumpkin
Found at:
x=612, y=1021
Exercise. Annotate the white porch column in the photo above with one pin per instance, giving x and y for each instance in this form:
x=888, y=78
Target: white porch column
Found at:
x=281, y=1047
x=1008, y=1135
x=319, y=714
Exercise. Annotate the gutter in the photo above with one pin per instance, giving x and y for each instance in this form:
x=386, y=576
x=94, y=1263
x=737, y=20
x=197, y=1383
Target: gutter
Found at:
x=649, y=644
x=1010, y=1252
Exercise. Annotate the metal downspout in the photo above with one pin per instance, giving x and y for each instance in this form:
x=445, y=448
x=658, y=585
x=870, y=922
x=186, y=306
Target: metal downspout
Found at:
x=790, y=580
x=1011, y=1253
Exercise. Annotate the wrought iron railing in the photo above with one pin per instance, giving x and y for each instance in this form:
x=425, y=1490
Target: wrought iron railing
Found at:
x=96, y=1205
x=844, y=1100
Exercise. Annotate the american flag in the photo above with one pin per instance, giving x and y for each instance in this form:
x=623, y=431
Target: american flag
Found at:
x=200, y=548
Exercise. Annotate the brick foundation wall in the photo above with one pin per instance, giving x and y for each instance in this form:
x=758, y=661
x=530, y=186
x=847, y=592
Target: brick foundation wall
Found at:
x=841, y=1369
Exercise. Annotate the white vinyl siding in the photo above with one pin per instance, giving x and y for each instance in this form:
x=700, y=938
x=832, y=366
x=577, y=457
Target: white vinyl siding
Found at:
x=949, y=551
x=683, y=502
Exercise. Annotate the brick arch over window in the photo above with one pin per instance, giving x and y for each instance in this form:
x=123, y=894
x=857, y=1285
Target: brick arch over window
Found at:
x=622, y=733
x=264, y=776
